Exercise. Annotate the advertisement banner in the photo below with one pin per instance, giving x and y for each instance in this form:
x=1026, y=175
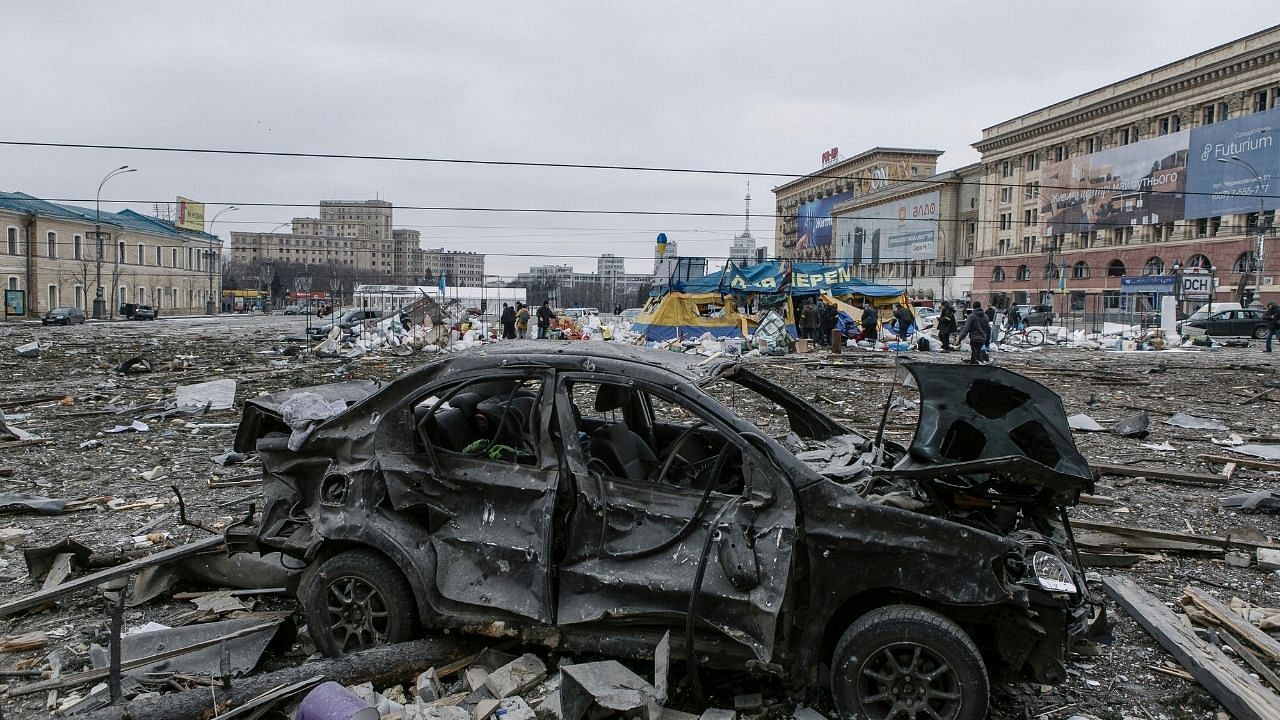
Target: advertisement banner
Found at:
x=1139, y=184
x=15, y=302
x=190, y=214
x=1148, y=284
x=1221, y=182
x=813, y=221
x=904, y=229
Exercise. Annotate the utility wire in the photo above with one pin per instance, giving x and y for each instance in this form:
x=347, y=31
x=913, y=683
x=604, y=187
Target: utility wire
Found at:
x=531, y=164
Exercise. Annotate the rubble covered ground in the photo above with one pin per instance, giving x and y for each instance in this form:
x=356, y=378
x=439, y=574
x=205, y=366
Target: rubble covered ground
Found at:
x=117, y=486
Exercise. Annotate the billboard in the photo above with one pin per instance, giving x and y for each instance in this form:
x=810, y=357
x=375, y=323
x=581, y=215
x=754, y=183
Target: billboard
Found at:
x=904, y=229
x=190, y=214
x=813, y=221
x=1221, y=185
x=1139, y=184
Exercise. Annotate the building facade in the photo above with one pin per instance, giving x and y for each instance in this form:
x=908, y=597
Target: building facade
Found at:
x=459, y=268
x=804, y=225
x=1166, y=172
x=49, y=254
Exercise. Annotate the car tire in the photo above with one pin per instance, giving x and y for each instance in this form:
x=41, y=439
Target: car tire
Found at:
x=907, y=660
x=355, y=600
x=1260, y=332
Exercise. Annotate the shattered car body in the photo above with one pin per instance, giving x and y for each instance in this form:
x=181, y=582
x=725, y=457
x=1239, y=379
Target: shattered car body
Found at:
x=599, y=498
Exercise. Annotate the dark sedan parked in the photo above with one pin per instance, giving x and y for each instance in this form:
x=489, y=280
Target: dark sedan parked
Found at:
x=599, y=497
x=63, y=316
x=1232, y=323
x=145, y=312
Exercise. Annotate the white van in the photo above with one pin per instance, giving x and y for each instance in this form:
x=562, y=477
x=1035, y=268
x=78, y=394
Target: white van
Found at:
x=1203, y=311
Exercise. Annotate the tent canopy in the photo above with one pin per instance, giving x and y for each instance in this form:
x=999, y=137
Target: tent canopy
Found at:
x=802, y=278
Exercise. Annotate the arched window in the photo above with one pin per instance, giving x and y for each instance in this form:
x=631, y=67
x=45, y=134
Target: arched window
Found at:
x=1115, y=269
x=1080, y=270
x=1024, y=272
x=1154, y=266
x=1050, y=271
x=51, y=242
x=1198, y=261
x=1245, y=263
x=997, y=274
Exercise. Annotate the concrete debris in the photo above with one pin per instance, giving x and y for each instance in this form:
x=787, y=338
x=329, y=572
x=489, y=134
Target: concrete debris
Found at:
x=427, y=686
x=718, y=714
x=212, y=395
x=30, y=350
x=475, y=678
x=1191, y=422
x=516, y=676
x=609, y=687
x=1084, y=423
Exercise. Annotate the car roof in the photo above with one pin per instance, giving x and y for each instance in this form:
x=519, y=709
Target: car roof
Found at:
x=558, y=353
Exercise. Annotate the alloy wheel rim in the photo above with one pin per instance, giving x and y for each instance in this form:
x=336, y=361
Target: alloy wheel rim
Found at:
x=906, y=680
x=358, y=616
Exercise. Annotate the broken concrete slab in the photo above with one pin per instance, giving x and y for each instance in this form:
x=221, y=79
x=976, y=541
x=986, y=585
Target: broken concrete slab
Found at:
x=29, y=350
x=607, y=686
x=807, y=713
x=214, y=395
x=515, y=708
x=1084, y=423
x=485, y=708
x=427, y=686
x=718, y=714
x=1137, y=425
x=516, y=677
x=475, y=678
x=749, y=701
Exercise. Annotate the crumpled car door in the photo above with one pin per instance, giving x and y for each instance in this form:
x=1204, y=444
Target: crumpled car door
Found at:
x=490, y=519
x=638, y=549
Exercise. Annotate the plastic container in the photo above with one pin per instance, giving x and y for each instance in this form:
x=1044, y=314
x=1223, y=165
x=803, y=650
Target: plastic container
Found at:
x=331, y=701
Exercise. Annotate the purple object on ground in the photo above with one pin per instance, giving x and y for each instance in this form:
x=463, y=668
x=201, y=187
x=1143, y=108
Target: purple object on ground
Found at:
x=331, y=701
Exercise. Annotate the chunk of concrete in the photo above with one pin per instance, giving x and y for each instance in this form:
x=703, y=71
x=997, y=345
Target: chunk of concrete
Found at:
x=669, y=714
x=445, y=712
x=1238, y=559
x=476, y=677
x=662, y=666
x=427, y=686
x=718, y=714
x=1268, y=559
x=807, y=713
x=30, y=350
x=609, y=687
x=485, y=708
x=749, y=701
x=516, y=676
x=515, y=708
x=549, y=708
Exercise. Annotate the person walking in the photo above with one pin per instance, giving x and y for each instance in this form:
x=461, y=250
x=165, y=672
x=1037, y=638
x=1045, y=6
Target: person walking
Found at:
x=508, y=318
x=903, y=319
x=1272, y=318
x=826, y=322
x=522, y=321
x=946, y=325
x=1013, y=318
x=545, y=314
x=870, y=322
x=809, y=321
x=977, y=327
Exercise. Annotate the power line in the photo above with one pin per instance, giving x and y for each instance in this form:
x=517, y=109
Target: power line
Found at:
x=533, y=164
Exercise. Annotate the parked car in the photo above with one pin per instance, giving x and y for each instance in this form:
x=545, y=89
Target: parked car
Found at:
x=63, y=316
x=293, y=309
x=926, y=317
x=599, y=496
x=145, y=312
x=346, y=321
x=1035, y=314
x=1227, y=323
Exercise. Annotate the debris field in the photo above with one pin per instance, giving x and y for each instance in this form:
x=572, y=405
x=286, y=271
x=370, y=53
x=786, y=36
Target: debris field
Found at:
x=118, y=445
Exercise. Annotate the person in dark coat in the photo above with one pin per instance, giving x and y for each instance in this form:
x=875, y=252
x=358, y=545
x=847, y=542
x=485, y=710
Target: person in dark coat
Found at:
x=1272, y=318
x=508, y=318
x=946, y=325
x=870, y=322
x=977, y=327
x=903, y=318
x=826, y=322
x=809, y=321
x=545, y=314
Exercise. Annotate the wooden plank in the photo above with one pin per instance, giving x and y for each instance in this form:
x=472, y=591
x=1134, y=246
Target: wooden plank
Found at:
x=1173, y=476
x=1249, y=658
x=1236, y=624
x=1101, y=540
x=1171, y=535
x=1242, y=696
x=102, y=576
x=1241, y=462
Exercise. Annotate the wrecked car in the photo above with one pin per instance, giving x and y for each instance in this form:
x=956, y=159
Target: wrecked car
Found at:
x=595, y=496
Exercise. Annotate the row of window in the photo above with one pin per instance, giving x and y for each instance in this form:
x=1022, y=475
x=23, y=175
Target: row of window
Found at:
x=1259, y=100
x=160, y=297
x=194, y=258
x=1245, y=262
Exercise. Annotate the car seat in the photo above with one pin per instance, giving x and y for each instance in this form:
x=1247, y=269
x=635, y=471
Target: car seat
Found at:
x=622, y=450
x=452, y=427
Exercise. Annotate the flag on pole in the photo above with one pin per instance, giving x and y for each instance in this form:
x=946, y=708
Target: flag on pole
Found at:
x=440, y=284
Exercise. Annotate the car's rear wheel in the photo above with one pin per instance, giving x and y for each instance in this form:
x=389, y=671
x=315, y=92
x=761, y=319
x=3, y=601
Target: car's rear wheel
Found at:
x=355, y=600
x=908, y=662
x=1260, y=332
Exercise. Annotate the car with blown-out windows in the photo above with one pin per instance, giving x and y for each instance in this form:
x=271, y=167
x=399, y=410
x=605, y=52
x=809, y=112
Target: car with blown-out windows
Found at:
x=597, y=497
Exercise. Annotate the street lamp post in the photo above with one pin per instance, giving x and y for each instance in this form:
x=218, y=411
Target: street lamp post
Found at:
x=99, y=300
x=211, y=307
x=1257, y=262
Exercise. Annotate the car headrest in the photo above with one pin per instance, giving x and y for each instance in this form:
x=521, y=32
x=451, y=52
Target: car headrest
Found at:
x=612, y=397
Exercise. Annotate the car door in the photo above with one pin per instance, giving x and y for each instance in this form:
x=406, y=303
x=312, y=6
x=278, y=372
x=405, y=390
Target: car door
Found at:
x=483, y=476
x=644, y=545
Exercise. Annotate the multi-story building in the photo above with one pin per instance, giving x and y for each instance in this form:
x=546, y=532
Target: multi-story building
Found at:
x=805, y=205
x=408, y=259
x=606, y=288
x=463, y=269
x=1163, y=173
x=918, y=235
x=49, y=256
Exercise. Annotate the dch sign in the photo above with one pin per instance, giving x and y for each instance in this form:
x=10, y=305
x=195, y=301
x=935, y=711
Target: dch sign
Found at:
x=1196, y=286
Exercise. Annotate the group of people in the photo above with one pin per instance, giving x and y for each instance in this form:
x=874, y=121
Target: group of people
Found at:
x=817, y=320
x=515, y=320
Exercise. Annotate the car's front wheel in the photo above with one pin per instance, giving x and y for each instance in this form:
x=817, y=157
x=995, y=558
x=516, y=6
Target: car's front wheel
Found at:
x=355, y=600
x=1260, y=332
x=904, y=661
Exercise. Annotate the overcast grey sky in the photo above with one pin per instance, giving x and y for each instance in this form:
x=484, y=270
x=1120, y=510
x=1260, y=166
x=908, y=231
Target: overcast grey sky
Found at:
x=737, y=85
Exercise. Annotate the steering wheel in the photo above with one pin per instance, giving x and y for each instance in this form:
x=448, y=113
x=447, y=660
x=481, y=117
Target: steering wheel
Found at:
x=673, y=453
